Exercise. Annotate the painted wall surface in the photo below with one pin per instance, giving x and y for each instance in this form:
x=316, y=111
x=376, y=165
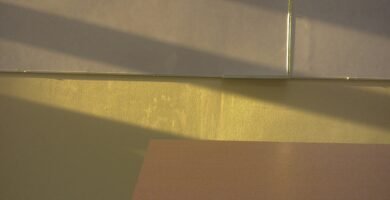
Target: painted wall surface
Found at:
x=348, y=38
x=171, y=37
x=84, y=137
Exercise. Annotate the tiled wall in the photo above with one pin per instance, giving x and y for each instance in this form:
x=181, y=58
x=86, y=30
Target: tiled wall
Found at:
x=219, y=38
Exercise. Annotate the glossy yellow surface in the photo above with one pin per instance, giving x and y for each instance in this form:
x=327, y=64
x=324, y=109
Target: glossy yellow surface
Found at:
x=84, y=136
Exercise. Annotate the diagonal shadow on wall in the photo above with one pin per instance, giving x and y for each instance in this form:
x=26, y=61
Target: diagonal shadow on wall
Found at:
x=134, y=53
x=361, y=15
x=72, y=37
x=78, y=159
x=339, y=99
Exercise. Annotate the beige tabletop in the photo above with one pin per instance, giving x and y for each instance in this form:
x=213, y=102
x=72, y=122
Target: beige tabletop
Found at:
x=178, y=169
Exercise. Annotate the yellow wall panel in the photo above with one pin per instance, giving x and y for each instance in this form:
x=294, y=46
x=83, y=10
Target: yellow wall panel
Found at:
x=83, y=137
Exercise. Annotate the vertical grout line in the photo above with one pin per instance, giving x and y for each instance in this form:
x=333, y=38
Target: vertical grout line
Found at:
x=289, y=38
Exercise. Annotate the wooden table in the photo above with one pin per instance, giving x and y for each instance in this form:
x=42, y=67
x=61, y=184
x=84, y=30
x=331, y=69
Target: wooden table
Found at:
x=186, y=170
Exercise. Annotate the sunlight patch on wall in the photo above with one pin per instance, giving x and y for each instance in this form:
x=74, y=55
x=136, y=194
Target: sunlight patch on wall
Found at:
x=217, y=109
